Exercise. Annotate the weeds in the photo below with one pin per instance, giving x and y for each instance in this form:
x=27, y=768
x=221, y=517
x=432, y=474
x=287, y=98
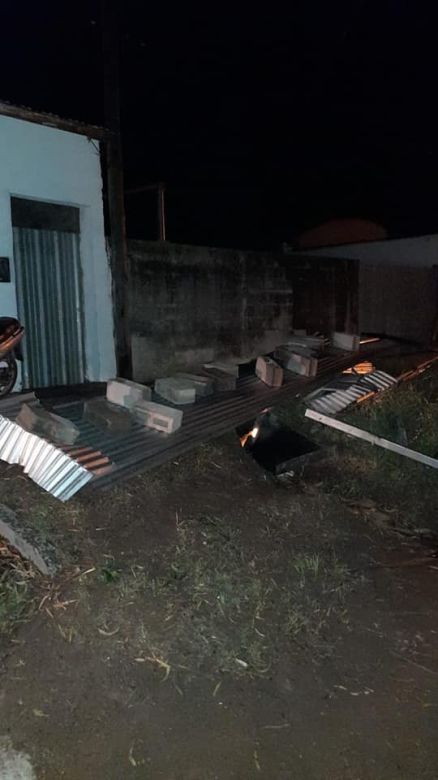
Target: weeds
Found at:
x=212, y=604
x=408, y=415
x=17, y=599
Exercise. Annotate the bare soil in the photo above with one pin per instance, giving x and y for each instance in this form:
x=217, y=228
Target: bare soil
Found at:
x=211, y=622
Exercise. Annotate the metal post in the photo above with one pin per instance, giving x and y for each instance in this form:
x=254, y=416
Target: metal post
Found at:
x=161, y=213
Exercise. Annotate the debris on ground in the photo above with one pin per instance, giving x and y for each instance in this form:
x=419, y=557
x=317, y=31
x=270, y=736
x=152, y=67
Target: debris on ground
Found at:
x=352, y=430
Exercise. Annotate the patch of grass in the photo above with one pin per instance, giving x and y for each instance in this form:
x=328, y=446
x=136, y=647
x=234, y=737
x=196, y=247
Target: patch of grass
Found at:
x=17, y=595
x=216, y=604
x=407, y=414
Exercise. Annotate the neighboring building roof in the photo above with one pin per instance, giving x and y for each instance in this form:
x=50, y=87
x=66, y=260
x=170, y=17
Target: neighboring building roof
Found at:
x=336, y=232
x=51, y=120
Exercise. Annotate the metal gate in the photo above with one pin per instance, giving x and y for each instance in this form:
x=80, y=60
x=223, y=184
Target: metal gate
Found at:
x=48, y=281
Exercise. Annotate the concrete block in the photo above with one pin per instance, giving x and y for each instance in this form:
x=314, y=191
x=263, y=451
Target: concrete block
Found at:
x=222, y=381
x=102, y=414
x=315, y=343
x=282, y=353
x=203, y=385
x=299, y=363
x=224, y=366
x=38, y=420
x=348, y=341
x=176, y=390
x=269, y=371
x=126, y=393
x=158, y=416
x=26, y=539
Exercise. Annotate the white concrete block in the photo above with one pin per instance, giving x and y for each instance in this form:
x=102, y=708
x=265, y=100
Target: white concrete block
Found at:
x=124, y=392
x=348, y=341
x=176, y=390
x=158, y=416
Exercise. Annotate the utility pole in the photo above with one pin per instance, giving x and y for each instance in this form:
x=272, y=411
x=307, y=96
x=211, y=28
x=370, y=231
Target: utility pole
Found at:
x=114, y=172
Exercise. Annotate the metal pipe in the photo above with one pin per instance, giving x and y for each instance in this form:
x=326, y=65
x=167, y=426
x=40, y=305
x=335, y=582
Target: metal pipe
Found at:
x=161, y=213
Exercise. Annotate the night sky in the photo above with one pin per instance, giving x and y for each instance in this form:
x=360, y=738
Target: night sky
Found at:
x=261, y=124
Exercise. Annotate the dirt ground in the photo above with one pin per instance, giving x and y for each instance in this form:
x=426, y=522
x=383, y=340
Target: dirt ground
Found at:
x=209, y=622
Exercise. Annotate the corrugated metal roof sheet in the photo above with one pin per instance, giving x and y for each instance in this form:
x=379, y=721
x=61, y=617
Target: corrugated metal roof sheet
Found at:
x=333, y=400
x=210, y=417
x=207, y=419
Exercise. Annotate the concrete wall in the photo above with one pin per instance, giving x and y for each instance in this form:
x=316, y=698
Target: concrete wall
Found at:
x=189, y=305
x=419, y=251
x=398, y=301
x=398, y=291
x=54, y=165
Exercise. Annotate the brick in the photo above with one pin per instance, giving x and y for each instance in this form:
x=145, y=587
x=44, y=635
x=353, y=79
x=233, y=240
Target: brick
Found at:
x=38, y=420
x=269, y=371
x=348, y=341
x=125, y=393
x=176, y=390
x=158, y=416
x=111, y=417
x=222, y=381
x=203, y=384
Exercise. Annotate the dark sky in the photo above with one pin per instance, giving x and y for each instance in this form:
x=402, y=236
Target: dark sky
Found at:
x=261, y=123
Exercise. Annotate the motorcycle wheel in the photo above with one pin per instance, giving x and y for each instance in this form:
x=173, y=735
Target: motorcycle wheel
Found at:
x=8, y=375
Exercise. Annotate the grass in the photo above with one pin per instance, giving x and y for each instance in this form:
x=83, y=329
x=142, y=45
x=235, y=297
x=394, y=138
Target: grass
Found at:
x=407, y=414
x=216, y=603
x=17, y=595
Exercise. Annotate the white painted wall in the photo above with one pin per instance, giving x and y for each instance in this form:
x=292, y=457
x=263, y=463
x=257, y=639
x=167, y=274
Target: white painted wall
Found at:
x=61, y=167
x=418, y=251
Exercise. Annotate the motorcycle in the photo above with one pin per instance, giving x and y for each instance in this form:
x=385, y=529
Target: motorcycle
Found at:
x=11, y=333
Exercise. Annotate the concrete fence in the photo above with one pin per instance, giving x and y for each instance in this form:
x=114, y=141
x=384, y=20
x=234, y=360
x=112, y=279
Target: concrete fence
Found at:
x=189, y=305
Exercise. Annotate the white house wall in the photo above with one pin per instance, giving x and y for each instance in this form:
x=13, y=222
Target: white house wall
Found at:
x=414, y=252
x=53, y=165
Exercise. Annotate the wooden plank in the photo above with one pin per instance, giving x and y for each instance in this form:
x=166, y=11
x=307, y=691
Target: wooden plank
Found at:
x=351, y=430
